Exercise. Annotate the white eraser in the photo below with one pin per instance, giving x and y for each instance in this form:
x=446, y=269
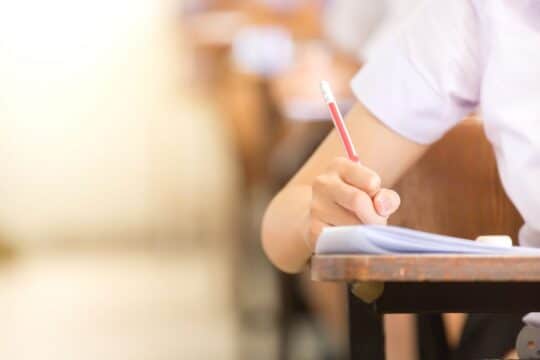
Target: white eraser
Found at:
x=496, y=240
x=327, y=92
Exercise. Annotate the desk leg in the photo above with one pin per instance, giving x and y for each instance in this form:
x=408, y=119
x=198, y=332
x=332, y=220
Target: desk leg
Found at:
x=431, y=339
x=366, y=330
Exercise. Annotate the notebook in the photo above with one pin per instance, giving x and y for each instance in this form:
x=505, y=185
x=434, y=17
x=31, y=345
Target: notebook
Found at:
x=379, y=239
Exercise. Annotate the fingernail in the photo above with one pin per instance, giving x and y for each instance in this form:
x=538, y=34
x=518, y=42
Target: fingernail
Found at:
x=385, y=205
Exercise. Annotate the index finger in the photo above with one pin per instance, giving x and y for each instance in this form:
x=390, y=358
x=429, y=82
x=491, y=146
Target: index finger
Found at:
x=359, y=176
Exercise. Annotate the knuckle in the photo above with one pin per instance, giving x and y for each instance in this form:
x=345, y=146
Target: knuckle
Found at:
x=366, y=178
x=320, y=183
x=365, y=209
x=362, y=200
x=352, y=198
x=339, y=164
x=323, y=182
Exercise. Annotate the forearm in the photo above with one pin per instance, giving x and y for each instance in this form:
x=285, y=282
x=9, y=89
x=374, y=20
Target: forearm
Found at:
x=283, y=228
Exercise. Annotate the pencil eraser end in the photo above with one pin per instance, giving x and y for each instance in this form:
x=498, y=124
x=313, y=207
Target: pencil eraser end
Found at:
x=496, y=240
x=327, y=91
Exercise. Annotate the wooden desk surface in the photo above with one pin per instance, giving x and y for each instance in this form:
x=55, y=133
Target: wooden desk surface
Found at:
x=426, y=268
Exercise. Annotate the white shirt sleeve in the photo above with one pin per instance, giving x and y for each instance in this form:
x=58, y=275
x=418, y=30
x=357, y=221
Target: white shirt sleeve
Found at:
x=428, y=79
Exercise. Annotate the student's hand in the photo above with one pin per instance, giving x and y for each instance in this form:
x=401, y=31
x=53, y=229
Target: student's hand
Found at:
x=348, y=193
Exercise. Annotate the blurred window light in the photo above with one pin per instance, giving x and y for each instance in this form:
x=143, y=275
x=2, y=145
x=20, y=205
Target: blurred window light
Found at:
x=60, y=31
x=86, y=89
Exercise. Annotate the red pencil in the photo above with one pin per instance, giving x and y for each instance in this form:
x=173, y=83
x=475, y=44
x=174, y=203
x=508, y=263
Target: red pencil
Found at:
x=337, y=119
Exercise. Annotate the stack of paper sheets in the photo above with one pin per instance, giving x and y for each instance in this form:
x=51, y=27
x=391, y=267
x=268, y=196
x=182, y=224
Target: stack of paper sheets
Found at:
x=378, y=239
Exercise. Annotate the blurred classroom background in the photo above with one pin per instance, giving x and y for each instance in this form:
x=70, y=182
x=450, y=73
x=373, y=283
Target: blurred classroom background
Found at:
x=140, y=142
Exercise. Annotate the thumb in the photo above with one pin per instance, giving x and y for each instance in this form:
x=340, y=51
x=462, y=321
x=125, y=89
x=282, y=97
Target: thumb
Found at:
x=386, y=202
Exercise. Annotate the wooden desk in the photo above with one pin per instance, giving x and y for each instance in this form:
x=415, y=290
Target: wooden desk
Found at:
x=429, y=284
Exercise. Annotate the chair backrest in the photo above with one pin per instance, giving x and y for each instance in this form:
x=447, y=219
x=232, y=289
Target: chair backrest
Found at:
x=455, y=188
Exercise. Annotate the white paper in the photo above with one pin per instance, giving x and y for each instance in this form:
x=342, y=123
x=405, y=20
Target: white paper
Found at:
x=378, y=239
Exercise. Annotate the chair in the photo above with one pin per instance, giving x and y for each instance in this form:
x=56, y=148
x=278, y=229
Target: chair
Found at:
x=455, y=190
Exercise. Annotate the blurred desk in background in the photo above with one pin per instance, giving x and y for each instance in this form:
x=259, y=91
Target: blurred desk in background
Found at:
x=262, y=62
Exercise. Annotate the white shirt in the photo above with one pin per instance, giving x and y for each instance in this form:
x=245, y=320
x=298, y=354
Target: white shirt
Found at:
x=454, y=56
